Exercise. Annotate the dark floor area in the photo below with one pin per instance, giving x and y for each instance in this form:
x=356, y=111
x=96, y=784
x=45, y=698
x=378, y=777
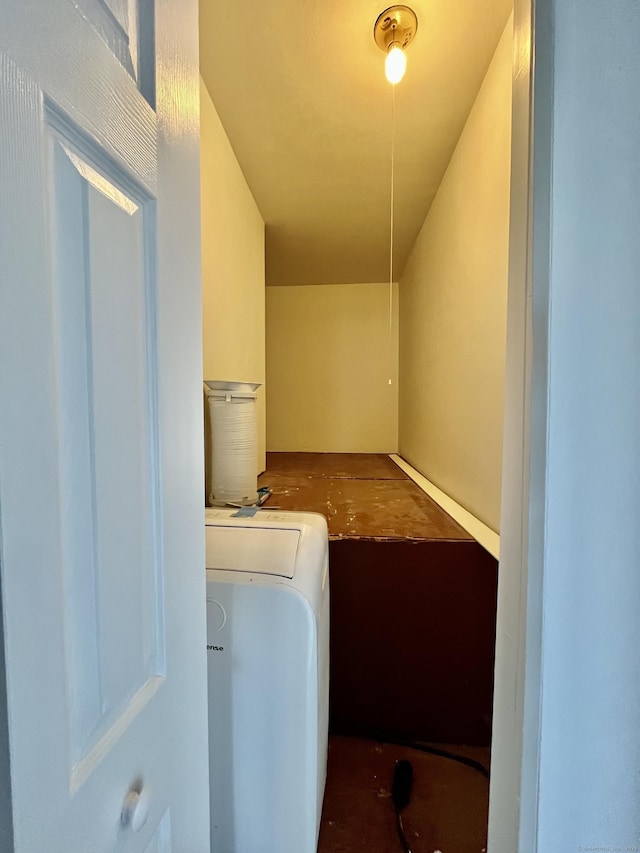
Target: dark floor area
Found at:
x=413, y=602
x=447, y=810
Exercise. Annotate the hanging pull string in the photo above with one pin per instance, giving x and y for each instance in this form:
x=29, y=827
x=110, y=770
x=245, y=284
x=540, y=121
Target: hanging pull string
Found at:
x=391, y=219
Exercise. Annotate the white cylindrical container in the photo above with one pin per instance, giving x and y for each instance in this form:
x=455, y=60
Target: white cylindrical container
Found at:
x=233, y=450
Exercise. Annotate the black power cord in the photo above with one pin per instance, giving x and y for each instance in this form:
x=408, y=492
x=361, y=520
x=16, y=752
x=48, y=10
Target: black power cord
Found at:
x=403, y=773
x=442, y=753
x=401, y=794
x=383, y=738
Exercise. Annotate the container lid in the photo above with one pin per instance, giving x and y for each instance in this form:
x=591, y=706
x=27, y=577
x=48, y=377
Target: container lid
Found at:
x=242, y=387
x=258, y=550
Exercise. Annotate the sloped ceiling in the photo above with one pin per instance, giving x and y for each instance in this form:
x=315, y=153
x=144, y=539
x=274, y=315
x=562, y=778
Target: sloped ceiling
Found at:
x=300, y=89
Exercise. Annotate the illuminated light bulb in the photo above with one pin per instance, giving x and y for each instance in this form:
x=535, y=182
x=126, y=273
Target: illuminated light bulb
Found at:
x=395, y=65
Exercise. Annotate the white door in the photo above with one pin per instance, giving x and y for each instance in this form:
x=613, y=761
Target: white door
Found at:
x=101, y=536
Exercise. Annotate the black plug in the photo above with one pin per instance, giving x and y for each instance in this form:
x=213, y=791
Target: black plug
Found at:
x=402, y=782
x=401, y=794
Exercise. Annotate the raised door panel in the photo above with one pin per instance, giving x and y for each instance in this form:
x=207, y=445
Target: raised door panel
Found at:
x=104, y=300
x=128, y=28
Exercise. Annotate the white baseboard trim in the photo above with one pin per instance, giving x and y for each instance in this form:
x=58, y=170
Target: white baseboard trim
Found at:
x=488, y=538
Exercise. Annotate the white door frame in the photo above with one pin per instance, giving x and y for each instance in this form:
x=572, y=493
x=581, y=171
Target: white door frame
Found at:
x=6, y=817
x=566, y=691
x=514, y=770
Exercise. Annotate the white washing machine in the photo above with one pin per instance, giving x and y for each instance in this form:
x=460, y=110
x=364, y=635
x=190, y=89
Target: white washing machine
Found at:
x=268, y=665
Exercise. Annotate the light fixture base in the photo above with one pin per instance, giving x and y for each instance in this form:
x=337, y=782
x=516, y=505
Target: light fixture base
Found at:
x=396, y=26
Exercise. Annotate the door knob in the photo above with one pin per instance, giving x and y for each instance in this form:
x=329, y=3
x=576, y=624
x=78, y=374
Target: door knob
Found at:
x=135, y=809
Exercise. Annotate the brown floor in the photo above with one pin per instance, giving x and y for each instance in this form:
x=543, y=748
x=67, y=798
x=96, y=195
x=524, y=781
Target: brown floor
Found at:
x=351, y=466
x=362, y=495
x=447, y=810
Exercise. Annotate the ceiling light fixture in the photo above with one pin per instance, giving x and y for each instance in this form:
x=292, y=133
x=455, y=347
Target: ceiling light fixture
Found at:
x=394, y=29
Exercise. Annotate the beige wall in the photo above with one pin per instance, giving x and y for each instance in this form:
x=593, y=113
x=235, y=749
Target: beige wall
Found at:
x=232, y=266
x=330, y=355
x=453, y=310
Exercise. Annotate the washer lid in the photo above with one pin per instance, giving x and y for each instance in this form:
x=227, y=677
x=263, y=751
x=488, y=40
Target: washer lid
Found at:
x=259, y=550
